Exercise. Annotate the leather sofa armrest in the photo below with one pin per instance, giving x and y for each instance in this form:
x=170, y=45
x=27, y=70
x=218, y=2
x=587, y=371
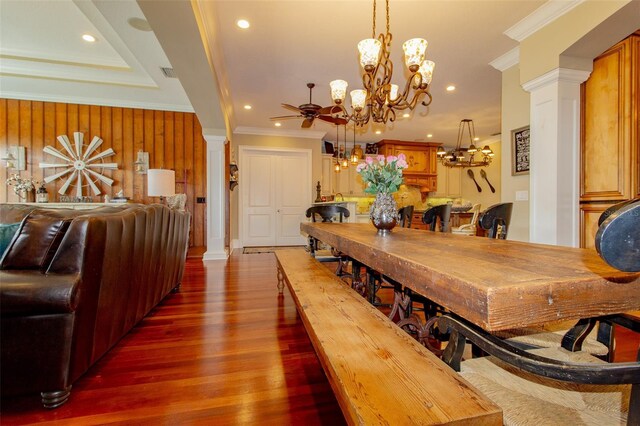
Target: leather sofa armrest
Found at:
x=32, y=293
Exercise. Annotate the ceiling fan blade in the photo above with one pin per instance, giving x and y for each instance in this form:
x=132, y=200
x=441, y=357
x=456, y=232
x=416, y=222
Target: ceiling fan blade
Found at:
x=307, y=123
x=286, y=117
x=335, y=120
x=291, y=107
x=333, y=109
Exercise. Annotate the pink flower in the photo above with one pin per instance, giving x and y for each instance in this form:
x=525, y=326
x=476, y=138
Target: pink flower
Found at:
x=391, y=158
x=369, y=160
x=381, y=160
x=402, y=164
x=402, y=157
x=361, y=167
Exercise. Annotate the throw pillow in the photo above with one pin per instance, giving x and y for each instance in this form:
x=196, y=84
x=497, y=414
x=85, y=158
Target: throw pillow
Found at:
x=7, y=231
x=37, y=241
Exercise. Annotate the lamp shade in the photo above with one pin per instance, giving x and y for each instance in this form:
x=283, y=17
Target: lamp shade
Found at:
x=161, y=183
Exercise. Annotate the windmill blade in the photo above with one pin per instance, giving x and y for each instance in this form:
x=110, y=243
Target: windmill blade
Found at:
x=70, y=179
x=103, y=154
x=307, y=123
x=51, y=165
x=291, y=107
x=64, y=141
x=52, y=151
x=335, y=120
x=51, y=178
x=94, y=188
x=286, y=117
x=79, y=186
x=95, y=143
x=334, y=109
x=78, y=137
x=110, y=166
x=101, y=178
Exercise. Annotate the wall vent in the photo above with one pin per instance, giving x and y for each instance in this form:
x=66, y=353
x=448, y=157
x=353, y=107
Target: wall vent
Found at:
x=168, y=72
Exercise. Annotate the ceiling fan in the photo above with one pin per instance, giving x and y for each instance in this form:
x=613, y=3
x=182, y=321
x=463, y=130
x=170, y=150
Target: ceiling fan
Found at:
x=312, y=111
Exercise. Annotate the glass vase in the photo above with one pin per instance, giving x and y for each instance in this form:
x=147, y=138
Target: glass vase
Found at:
x=384, y=213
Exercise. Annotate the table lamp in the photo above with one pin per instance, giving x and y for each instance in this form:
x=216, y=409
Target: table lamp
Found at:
x=161, y=183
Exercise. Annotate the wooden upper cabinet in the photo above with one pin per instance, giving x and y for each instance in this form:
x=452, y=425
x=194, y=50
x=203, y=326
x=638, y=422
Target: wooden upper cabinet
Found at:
x=609, y=142
x=421, y=158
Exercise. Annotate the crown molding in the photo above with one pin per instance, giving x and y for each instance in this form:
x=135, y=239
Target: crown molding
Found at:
x=117, y=103
x=542, y=16
x=562, y=75
x=506, y=61
x=261, y=131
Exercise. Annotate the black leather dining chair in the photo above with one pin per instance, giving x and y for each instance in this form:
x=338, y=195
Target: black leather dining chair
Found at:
x=405, y=215
x=496, y=219
x=442, y=212
x=328, y=214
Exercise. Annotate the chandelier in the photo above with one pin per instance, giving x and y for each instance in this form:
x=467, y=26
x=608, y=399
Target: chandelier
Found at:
x=457, y=157
x=380, y=99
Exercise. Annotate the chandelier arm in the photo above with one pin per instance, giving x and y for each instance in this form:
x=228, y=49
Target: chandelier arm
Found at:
x=430, y=99
x=373, y=33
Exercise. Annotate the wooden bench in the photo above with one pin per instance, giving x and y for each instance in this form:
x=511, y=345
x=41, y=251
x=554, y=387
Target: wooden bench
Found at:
x=379, y=374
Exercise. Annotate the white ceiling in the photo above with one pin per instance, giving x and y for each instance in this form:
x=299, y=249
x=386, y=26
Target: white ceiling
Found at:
x=289, y=44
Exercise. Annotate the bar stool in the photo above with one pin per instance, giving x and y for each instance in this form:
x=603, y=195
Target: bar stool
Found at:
x=496, y=220
x=469, y=228
x=328, y=213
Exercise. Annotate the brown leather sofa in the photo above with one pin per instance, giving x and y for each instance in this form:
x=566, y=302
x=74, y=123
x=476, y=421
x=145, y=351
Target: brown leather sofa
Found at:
x=73, y=282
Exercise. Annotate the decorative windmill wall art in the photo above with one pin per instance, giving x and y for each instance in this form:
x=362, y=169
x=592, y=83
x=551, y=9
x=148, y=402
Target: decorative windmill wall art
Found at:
x=80, y=168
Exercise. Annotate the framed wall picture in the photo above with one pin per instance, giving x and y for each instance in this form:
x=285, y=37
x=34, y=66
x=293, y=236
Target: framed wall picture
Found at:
x=371, y=148
x=328, y=148
x=520, y=151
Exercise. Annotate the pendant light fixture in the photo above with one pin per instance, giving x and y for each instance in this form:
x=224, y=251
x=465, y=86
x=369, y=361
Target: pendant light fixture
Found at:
x=355, y=153
x=345, y=156
x=456, y=157
x=380, y=99
x=336, y=167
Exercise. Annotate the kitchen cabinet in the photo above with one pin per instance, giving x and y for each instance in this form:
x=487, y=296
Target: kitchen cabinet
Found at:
x=327, y=178
x=609, y=159
x=421, y=158
x=449, y=181
x=349, y=181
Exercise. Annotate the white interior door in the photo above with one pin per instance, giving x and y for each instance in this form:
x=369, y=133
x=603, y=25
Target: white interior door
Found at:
x=276, y=191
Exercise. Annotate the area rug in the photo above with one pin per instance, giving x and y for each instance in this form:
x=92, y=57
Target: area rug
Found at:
x=269, y=249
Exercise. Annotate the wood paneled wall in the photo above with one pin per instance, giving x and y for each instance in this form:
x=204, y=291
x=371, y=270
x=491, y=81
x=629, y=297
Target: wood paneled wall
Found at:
x=172, y=139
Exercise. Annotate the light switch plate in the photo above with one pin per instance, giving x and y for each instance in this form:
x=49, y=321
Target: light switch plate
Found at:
x=522, y=195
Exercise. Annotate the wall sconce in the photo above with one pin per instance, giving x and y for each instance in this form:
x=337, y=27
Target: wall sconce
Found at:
x=142, y=163
x=14, y=158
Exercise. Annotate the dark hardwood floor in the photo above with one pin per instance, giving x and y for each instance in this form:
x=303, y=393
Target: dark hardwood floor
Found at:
x=224, y=350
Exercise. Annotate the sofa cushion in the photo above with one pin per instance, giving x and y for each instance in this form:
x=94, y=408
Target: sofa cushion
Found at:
x=37, y=241
x=7, y=231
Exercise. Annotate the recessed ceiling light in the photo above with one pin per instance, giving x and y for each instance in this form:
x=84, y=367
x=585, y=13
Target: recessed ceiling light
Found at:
x=247, y=107
x=243, y=23
x=378, y=132
x=476, y=139
x=406, y=115
x=88, y=37
x=278, y=124
x=451, y=88
x=429, y=135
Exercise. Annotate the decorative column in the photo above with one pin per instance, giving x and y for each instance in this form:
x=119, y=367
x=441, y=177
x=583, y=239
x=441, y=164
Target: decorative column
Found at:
x=215, y=198
x=555, y=157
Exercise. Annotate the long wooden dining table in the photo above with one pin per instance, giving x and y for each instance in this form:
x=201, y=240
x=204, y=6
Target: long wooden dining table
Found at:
x=494, y=284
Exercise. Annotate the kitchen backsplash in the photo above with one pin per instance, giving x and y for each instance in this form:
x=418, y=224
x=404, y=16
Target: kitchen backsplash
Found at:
x=406, y=196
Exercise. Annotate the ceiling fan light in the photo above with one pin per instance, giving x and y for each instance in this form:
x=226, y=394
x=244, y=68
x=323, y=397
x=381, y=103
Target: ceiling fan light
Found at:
x=338, y=90
x=358, y=98
x=426, y=71
x=414, y=53
x=369, y=49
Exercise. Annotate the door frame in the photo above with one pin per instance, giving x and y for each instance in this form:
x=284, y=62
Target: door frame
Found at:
x=243, y=151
